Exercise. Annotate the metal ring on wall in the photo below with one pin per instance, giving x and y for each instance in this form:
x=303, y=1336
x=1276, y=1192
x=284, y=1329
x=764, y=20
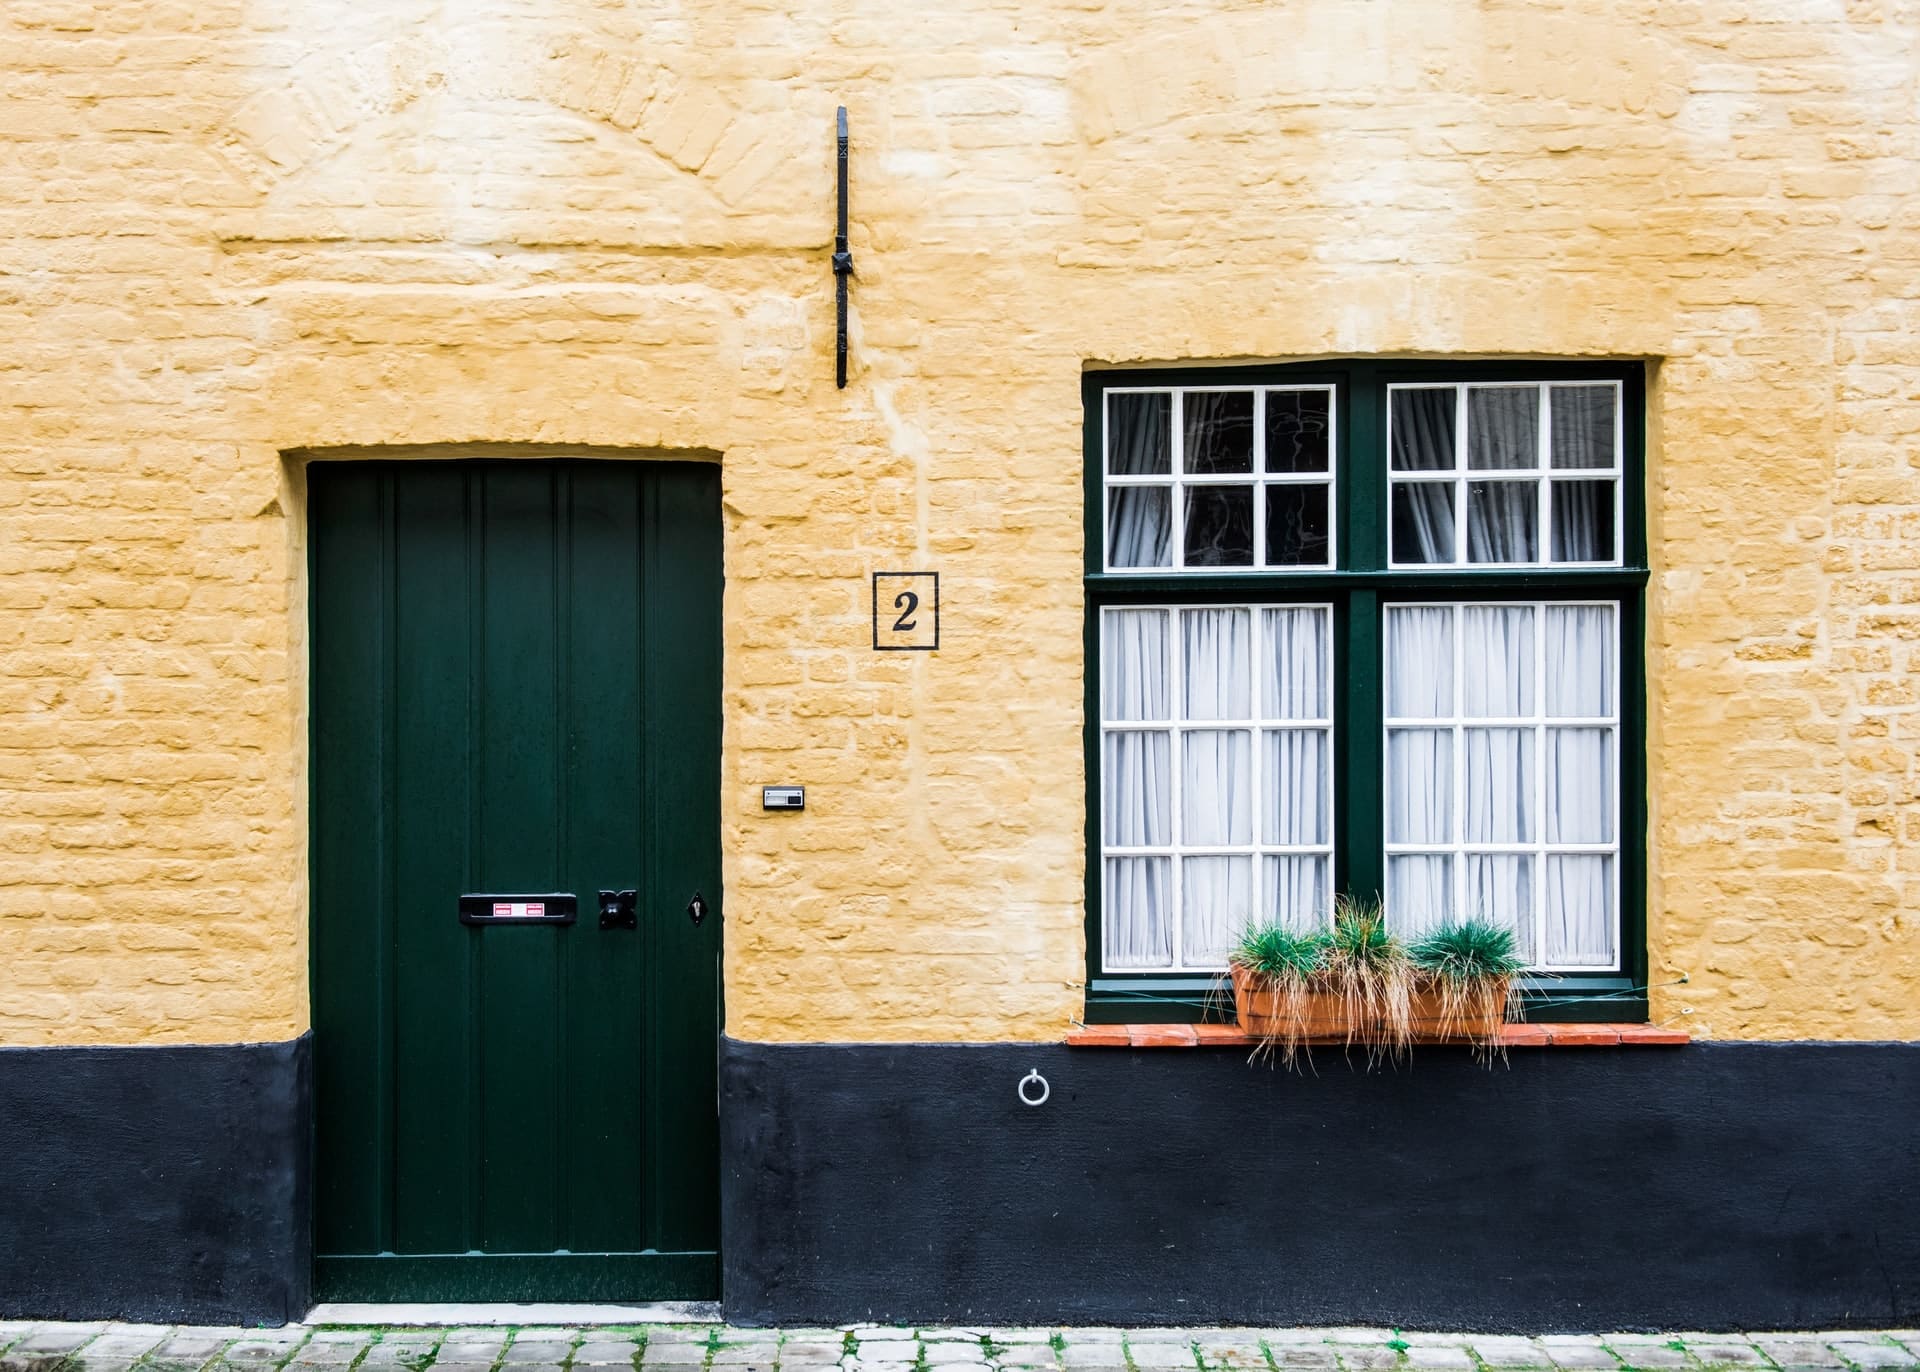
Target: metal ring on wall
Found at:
x=1045, y=1090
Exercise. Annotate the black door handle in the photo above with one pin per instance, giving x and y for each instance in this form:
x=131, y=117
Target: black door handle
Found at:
x=618, y=910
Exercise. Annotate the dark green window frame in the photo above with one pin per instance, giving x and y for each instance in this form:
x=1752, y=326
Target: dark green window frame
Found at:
x=1357, y=587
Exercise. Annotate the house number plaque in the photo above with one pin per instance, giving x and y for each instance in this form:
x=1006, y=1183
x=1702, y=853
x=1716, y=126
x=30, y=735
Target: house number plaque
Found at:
x=906, y=612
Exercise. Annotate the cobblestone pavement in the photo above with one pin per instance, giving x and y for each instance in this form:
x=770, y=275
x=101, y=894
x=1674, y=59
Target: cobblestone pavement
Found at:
x=47, y=1347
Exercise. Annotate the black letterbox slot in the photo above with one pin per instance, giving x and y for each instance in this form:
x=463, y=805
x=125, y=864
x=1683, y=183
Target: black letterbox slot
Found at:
x=557, y=907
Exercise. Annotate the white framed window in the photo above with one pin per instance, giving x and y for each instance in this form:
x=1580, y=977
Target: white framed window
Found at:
x=1502, y=785
x=1216, y=737
x=1467, y=540
x=1218, y=478
x=1505, y=474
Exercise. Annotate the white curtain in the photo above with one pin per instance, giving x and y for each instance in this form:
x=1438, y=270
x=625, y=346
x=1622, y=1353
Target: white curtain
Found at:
x=1500, y=891
x=1583, y=521
x=1422, y=420
x=1579, y=661
x=1296, y=891
x=1420, y=786
x=1218, y=895
x=1579, y=786
x=1499, y=785
x=1560, y=905
x=1423, y=521
x=1133, y=680
x=1140, y=433
x=1580, y=910
x=1419, y=892
x=1140, y=526
x=1423, y=441
x=1496, y=644
x=1582, y=422
x=1136, y=774
x=1293, y=812
x=1503, y=521
x=1503, y=427
x=1137, y=788
x=1217, y=659
x=1216, y=788
x=1138, y=914
x=1298, y=664
x=1420, y=662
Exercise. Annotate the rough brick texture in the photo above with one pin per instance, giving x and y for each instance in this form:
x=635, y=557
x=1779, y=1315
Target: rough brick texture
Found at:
x=235, y=230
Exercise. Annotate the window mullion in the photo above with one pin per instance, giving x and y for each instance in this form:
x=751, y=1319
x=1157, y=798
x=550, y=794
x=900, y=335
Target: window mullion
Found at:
x=1177, y=766
x=1357, y=714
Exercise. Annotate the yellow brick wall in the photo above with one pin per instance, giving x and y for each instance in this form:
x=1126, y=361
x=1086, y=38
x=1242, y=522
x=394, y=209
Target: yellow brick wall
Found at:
x=234, y=228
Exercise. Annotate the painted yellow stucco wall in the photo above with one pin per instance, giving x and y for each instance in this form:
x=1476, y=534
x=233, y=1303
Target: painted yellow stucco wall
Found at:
x=233, y=229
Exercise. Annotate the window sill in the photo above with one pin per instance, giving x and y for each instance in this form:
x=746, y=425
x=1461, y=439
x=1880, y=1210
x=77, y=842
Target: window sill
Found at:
x=1511, y=1036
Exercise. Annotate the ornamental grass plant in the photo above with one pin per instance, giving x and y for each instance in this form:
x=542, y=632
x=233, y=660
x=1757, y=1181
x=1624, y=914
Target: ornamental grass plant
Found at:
x=1355, y=980
x=1472, y=968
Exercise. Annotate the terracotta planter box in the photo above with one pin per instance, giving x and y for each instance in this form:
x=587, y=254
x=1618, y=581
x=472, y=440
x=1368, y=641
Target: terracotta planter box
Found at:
x=1261, y=1014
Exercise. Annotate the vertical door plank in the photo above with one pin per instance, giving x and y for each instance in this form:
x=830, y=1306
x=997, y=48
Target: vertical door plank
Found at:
x=681, y=592
x=517, y=833
x=605, y=780
x=348, y=516
x=433, y=1152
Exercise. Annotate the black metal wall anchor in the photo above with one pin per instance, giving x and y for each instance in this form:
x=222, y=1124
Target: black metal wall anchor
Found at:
x=618, y=909
x=842, y=261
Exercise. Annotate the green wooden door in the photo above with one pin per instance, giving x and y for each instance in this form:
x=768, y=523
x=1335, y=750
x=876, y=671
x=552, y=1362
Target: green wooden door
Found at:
x=515, y=690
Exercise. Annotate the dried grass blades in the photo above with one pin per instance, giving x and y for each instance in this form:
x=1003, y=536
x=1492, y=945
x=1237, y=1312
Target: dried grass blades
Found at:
x=1274, y=971
x=1472, y=969
x=1367, y=968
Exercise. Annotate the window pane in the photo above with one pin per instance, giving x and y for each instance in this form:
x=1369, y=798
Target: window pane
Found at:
x=1133, y=666
x=1140, y=434
x=1579, y=661
x=1499, y=785
x=1298, y=428
x=1503, y=427
x=1420, y=661
x=1419, y=786
x=1293, y=807
x=1423, y=522
x=1216, y=788
x=1215, y=649
x=1139, y=527
x=1219, y=526
x=1580, y=911
x=1137, y=916
x=1219, y=431
x=1296, y=891
x=1297, y=526
x=1422, y=424
x=1503, y=521
x=1496, y=657
x=1136, y=782
x=1582, y=422
x=1500, y=891
x=1419, y=892
x=1583, y=521
x=1579, y=786
x=1294, y=685
x=1219, y=905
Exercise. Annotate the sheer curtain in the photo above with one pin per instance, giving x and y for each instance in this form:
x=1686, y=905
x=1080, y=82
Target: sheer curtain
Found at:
x=1531, y=782
x=1234, y=704
x=1423, y=441
x=1140, y=526
x=1137, y=788
x=1420, y=686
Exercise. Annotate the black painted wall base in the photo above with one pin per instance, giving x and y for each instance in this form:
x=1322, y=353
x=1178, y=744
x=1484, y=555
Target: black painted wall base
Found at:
x=162, y=1184
x=1717, y=1186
